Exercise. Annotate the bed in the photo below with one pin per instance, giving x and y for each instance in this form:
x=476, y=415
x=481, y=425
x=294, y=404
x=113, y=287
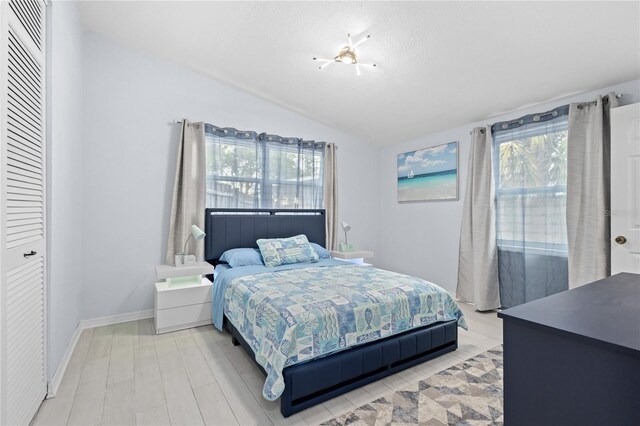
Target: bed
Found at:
x=322, y=329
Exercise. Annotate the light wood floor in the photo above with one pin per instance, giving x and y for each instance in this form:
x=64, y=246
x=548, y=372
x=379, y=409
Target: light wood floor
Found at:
x=124, y=374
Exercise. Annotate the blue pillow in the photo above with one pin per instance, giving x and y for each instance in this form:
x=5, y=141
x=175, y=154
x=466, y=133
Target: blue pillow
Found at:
x=242, y=257
x=322, y=252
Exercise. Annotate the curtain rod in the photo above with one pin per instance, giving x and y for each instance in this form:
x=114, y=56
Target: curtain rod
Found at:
x=618, y=96
x=171, y=123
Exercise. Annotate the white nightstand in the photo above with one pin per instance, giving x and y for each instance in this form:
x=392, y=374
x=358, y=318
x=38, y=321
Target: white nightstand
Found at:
x=356, y=257
x=183, y=299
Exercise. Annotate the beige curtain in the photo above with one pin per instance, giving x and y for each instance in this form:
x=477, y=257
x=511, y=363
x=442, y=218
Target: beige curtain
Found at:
x=188, y=192
x=589, y=190
x=478, y=258
x=331, y=194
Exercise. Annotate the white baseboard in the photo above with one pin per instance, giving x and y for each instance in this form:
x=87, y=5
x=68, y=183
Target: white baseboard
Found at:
x=116, y=319
x=54, y=384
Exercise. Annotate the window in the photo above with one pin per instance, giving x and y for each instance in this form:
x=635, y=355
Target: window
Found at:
x=531, y=184
x=247, y=170
x=530, y=166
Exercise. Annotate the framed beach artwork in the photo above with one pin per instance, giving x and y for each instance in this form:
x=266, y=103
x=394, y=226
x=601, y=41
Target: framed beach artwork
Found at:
x=429, y=174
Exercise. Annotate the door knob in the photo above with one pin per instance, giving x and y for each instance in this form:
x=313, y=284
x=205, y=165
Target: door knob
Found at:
x=620, y=239
x=31, y=253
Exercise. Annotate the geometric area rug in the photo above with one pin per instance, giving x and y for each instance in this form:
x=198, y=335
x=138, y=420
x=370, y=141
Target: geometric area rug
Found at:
x=469, y=393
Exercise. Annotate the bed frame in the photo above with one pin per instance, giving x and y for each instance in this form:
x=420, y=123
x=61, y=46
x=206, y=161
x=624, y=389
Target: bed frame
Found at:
x=318, y=380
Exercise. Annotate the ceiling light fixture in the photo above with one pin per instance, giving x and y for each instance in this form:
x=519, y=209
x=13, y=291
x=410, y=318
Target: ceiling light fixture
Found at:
x=346, y=55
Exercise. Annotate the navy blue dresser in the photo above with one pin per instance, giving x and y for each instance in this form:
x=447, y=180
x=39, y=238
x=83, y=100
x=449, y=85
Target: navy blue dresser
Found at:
x=574, y=358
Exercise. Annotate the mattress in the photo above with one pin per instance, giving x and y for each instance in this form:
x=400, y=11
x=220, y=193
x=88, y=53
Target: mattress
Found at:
x=298, y=313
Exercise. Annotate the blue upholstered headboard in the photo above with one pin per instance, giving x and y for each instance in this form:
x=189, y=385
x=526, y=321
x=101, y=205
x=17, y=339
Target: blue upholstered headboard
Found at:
x=240, y=228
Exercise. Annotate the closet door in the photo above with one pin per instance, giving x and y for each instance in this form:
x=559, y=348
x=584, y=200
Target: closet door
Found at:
x=23, y=345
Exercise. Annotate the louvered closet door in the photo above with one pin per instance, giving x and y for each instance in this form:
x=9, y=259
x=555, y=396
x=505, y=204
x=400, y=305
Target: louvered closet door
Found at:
x=22, y=211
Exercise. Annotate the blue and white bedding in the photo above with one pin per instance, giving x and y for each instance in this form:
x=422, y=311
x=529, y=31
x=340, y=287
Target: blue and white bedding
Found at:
x=294, y=313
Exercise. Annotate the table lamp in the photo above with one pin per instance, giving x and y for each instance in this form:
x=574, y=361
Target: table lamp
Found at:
x=345, y=247
x=184, y=259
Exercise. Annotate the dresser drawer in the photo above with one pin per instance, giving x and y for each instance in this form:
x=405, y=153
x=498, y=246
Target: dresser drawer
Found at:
x=183, y=296
x=182, y=317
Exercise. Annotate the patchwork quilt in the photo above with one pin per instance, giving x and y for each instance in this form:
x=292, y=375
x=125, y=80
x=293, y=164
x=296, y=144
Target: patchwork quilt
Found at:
x=292, y=316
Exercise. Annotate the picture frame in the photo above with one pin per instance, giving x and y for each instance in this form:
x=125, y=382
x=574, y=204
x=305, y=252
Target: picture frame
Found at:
x=429, y=174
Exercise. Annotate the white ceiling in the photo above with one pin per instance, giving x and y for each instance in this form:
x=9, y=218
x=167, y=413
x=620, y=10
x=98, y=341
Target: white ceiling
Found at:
x=440, y=64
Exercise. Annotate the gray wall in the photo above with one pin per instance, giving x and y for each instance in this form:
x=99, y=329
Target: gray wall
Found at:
x=129, y=156
x=64, y=169
x=421, y=239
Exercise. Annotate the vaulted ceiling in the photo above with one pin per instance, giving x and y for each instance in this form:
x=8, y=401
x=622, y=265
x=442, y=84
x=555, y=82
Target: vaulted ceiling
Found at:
x=440, y=64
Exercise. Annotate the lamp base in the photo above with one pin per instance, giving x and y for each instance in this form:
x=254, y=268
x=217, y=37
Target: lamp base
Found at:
x=184, y=259
x=344, y=247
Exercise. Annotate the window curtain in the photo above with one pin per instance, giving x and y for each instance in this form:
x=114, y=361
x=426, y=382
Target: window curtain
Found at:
x=478, y=257
x=187, y=207
x=293, y=172
x=588, y=190
x=331, y=195
x=530, y=169
x=250, y=170
x=234, y=172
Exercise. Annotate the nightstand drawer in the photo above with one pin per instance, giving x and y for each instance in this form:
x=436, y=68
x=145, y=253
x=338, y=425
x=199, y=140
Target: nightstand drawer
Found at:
x=182, y=317
x=183, y=296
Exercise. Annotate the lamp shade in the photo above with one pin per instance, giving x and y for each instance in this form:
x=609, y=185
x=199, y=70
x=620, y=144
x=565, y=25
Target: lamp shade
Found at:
x=197, y=233
x=345, y=226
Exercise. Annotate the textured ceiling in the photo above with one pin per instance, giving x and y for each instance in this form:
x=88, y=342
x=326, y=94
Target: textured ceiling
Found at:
x=440, y=64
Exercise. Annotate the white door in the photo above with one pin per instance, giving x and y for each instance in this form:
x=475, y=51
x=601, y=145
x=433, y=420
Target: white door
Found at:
x=625, y=189
x=23, y=375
